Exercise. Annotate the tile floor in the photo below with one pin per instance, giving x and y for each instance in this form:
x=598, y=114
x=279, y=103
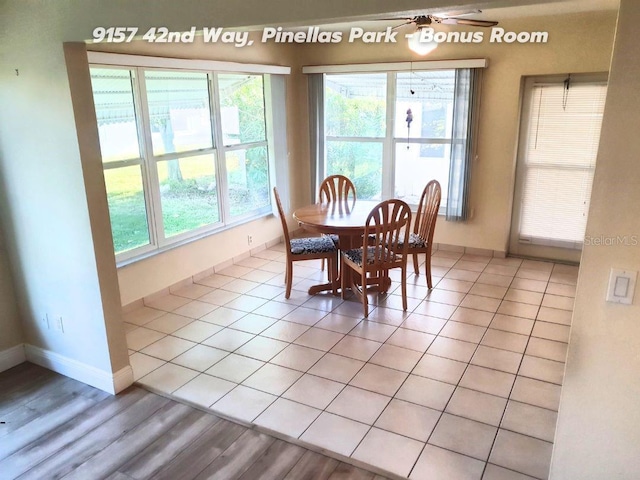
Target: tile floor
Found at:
x=464, y=385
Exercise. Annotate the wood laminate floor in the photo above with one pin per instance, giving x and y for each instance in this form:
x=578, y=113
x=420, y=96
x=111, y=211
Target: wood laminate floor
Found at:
x=55, y=427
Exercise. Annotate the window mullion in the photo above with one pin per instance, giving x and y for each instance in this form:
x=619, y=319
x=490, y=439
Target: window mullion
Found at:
x=181, y=155
x=221, y=164
x=423, y=140
x=245, y=146
x=149, y=170
x=336, y=138
x=122, y=163
x=388, y=153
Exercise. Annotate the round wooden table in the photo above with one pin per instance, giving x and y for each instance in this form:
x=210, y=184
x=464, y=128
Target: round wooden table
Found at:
x=345, y=219
x=340, y=218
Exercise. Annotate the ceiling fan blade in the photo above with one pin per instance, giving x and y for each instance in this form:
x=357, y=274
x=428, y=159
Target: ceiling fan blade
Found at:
x=465, y=21
x=408, y=22
x=457, y=13
x=392, y=19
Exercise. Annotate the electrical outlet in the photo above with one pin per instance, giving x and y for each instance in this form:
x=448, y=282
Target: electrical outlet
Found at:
x=249, y=239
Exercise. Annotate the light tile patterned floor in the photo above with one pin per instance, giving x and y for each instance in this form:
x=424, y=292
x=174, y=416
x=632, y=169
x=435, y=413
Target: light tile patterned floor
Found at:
x=464, y=385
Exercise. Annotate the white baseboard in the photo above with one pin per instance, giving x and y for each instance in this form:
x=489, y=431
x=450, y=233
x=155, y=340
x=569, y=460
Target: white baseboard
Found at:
x=122, y=379
x=109, y=382
x=11, y=357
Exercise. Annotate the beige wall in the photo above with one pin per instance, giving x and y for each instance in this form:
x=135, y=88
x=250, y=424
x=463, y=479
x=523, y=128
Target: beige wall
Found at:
x=44, y=206
x=10, y=328
x=577, y=43
x=598, y=434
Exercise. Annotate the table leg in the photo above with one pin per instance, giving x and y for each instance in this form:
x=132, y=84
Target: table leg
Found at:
x=346, y=242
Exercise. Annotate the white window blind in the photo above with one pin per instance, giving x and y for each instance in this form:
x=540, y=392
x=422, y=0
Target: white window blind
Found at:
x=563, y=131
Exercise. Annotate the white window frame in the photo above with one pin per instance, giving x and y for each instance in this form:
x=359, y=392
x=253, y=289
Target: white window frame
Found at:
x=274, y=142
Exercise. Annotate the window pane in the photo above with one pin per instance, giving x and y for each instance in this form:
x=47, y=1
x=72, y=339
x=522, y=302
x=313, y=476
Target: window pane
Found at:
x=242, y=108
x=355, y=105
x=188, y=191
x=431, y=104
x=115, y=112
x=248, y=180
x=361, y=162
x=417, y=166
x=559, y=210
x=178, y=111
x=127, y=208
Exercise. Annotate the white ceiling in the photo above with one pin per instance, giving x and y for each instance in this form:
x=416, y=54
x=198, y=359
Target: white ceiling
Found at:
x=544, y=9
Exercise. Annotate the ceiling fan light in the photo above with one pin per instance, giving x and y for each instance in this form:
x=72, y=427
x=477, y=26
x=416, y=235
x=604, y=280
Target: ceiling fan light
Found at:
x=419, y=47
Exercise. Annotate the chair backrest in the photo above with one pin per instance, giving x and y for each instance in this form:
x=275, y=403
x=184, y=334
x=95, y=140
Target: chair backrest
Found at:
x=386, y=234
x=336, y=188
x=427, y=213
x=285, y=228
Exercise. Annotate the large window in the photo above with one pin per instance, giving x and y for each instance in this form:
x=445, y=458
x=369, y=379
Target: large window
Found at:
x=390, y=132
x=184, y=153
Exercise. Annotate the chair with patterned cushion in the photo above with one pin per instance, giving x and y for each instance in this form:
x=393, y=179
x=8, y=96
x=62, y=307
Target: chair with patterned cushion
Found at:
x=421, y=239
x=307, y=248
x=336, y=188
x=388, y=224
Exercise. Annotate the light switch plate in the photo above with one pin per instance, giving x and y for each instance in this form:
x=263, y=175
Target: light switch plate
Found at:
x=622, y=285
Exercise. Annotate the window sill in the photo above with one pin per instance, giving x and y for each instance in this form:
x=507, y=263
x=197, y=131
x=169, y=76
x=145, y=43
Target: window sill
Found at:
x=186, y=241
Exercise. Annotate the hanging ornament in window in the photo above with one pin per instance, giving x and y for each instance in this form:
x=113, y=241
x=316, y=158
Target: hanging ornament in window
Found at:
x=409, y=120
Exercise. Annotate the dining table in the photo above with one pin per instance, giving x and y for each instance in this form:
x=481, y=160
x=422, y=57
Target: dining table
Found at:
x=344, y=218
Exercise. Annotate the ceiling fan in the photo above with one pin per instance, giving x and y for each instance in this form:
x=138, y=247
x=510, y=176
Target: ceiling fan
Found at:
x=426, y=21
x=453, y=18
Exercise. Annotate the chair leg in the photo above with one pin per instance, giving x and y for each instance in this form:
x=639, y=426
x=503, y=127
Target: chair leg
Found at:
x=415, y=264
x=343, y=278
x=289, y=278
x=365, y=300
x=427, y=270
x=333, y=265
x=404, y=288
x=322, y=265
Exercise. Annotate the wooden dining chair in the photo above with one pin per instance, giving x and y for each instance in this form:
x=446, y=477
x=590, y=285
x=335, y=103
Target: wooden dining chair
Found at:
x=336, y=188
x=306, y=248
x=388, y=224
x=421, y=239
